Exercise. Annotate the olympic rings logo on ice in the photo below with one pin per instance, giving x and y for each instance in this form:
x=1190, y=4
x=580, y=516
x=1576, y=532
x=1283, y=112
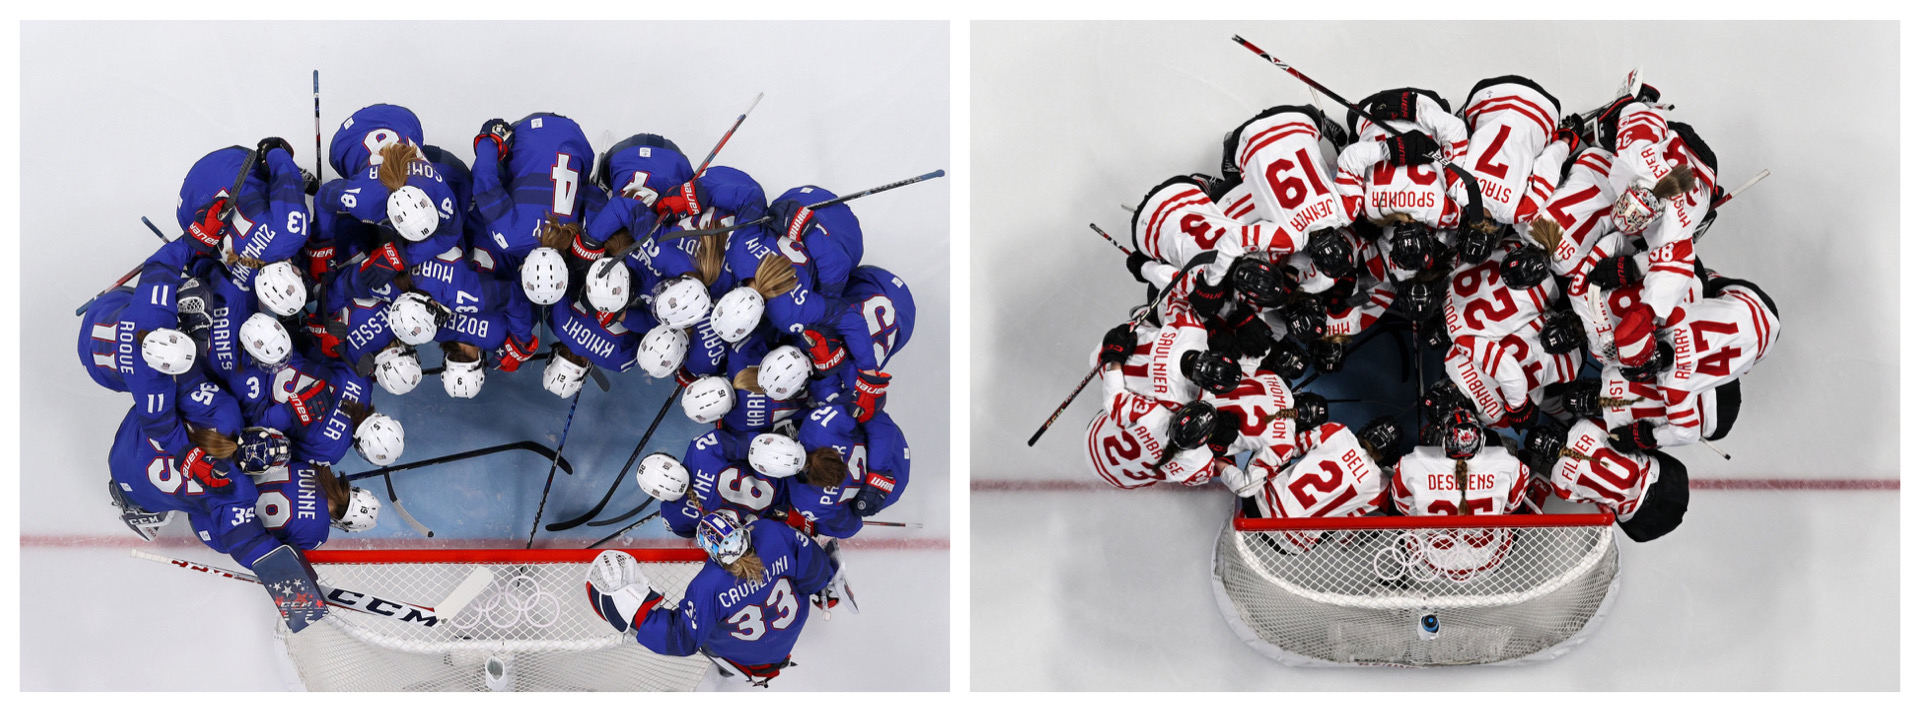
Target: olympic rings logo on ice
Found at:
x=1425, y=556
x=521, y=600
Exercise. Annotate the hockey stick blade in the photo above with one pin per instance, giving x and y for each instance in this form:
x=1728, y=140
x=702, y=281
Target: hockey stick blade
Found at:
x=402, y=611
x=621, y=517
x=628, y=528
x=476, y=583
x=624, y=469
x=527, y=445
x=394, y=496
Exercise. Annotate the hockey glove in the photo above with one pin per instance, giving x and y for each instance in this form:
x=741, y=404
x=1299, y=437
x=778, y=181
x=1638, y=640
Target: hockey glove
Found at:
x=790, y=218
x=305, y=394
x=1636, y=436
x=1403, y=105
x=873, y=493
x=272, y=142
x=827, y=352
x=203, y=469
x=799, y=521
x=319, y=261
x=687, y=200
x=209, y=225
x=1117, y=345
x=624, y=608
x=514, y=352
x=499, y=132
x=381, y=267
x=1409, y=148
x=1207, y=299
x=1614, y=272
x=1137, y=262
x=329, y=342
x=1254, y=338
x=586, y=249
x=870, y=394
x=684, y=377
x=1524, y=416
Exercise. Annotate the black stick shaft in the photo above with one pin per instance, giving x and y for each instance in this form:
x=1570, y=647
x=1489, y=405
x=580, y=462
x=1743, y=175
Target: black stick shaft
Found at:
x=548, y=489
x=522, y=445
x=624, y=469
x=1109, y=238
x=623, y=530
x=156, y=231
x=1317, y=86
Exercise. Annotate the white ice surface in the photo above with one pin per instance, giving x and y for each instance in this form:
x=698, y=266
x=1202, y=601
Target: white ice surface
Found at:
x=113, y=114
x=1757, y=590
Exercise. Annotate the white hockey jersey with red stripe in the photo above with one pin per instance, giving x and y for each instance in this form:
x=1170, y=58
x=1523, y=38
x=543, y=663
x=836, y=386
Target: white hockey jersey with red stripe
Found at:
x=1124, y=454
x=1280, y=157
x=1717, y=340
x=1674, y=424
x=1480, y=304
x=1153, y=369
x=1501, y=375
x=1253, y=409
x=1646, y=150
x=1375, y=188
x=1425, y=483
x=1600, y=311
x=1583, y=207
x=1238, y=203
x=1334, y=477
x=1178, y=222
x=1598, y=474
x=1512, y=152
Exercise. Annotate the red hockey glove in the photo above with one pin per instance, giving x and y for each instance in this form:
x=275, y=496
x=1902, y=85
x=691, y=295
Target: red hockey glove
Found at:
x=688, y=199
x=870, y=394
x=499, y=132
x=209, y=225
x=586, y=249
x=1568, y=135
x=800, y=522
x=319, y=261
x=827, y=352
x=1413, y=147
x=1636, y=436
x=1633, y=339
x=514, y=352
x=873, y=492
x=329, y=344
x=380, y=267
x=208, y=472
x=791, y=218
x=684, y=377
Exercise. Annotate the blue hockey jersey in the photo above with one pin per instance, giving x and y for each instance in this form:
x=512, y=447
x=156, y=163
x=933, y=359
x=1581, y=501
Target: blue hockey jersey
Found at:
x=544, y=178
x=291, y=506
x=719, y=477
x=607, y=341
x=827, y=507
x=878, y=318
x=270, y=222
x=750, y=623
x=146, y=471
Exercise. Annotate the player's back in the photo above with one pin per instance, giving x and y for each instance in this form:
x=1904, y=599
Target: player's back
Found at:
x=1279, y=154
x=879, y=317
x=356, y=144
x=291, y=506
x=1719, y=339
x=1596, y=473
x=1426, y=482
x=548, y=165
x=1479, y=303
x=1511, y=119
x=758, y=622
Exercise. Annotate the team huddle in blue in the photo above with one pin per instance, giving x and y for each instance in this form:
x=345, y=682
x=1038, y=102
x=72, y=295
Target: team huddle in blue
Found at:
x=255, y=341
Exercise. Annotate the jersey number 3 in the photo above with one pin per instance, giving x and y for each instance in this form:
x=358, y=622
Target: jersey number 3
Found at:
x=750, y=623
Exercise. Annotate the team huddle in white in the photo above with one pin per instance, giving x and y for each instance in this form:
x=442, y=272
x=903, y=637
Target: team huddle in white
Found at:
x=1551, y=256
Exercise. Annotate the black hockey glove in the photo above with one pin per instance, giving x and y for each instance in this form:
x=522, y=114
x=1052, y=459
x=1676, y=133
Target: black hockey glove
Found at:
x=1254, y=338
x=1207, y=299
x=1413, y=147
x=499, y=132
x=873, y=493
x=1524, y=416
x=272, y=142
x=790, y=219
x=1636, y=436
x=1403, y=105
x=1137, y=262
x=1614, y=272
x=1117, y=345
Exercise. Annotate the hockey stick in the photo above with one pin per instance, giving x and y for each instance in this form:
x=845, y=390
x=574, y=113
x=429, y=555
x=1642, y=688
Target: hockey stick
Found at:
x=624, y=469
x=909, y=525
x=564, y=431
x=1109, y=238
x=527, y=445
x=394, y=497
x=232, y=204
x=156, y=231
x=623, y=530
x=1195, y=263
x=1743, y=188
x=623, y=516
x=768, y=218
x=425, y=616
x=1317, y=86
x=729, y=135
x=129, y=276
x=443, y=367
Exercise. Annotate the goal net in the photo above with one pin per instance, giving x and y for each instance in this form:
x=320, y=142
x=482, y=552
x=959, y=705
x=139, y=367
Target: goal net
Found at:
x=532, y=625
x=1415, y=591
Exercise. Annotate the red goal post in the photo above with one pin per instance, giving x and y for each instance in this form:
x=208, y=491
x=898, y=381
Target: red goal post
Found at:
x=1416, y=591
x=532, y=625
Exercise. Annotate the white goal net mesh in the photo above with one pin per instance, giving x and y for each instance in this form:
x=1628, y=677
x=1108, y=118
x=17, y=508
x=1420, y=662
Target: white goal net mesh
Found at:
x=532, y=625
x=1415, y=591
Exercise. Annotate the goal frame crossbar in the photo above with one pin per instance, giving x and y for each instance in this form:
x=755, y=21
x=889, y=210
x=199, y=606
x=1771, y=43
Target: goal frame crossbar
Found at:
x=1482, y=521
x=495, y=556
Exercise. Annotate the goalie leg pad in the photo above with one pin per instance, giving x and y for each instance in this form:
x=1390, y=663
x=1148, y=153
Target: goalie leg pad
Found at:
x=1665, y=504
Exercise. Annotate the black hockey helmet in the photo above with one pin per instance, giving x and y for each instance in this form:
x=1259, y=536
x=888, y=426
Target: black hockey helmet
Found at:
x=1413, y=247
x=1306, y=317
x=1476, y=244
x=1331, y=252
x=1192, y=426
x=1442, y=400
x=1524, y=266
x=1211, y=370
x=1581, y=398
x=1309, y=410
x=1285, y=359
x=1543, y=444
x=1382, y=436
x=1328, y=355
x=1258, y=281
x=1648, y=372
x=1420, y=298
x=1463, y=437
x=1561, y=332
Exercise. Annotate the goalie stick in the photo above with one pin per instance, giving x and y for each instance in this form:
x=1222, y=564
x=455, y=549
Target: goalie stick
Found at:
x=456, y=601
x=604, y=269
x=548, y=489
x=622, y=473
x=1193, y=264
x=233, y=204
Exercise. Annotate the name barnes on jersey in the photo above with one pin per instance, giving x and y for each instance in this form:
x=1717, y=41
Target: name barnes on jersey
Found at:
x=775, y=569
x=221, y=339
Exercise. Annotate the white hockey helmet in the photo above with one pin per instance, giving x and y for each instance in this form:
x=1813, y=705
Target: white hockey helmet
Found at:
x=380, y=439
x=543, y=275
x=680, y=302
x=362, y=511
x=737, y=314
x=412, y=213
x=784, y=372
x=776, y=455
x=1636, y=209
x=708, y=400
x=609, y=293
x=397, y=369
x=280, y=288
x=463, y=379
x=662, y=351
x=563, y=377
x=265, y=339
x=169, y=351
x=662, y=477
x=412, y=320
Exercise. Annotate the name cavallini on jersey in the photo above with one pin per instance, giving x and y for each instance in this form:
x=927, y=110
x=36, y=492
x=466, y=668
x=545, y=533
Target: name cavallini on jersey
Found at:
x=739, y=593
